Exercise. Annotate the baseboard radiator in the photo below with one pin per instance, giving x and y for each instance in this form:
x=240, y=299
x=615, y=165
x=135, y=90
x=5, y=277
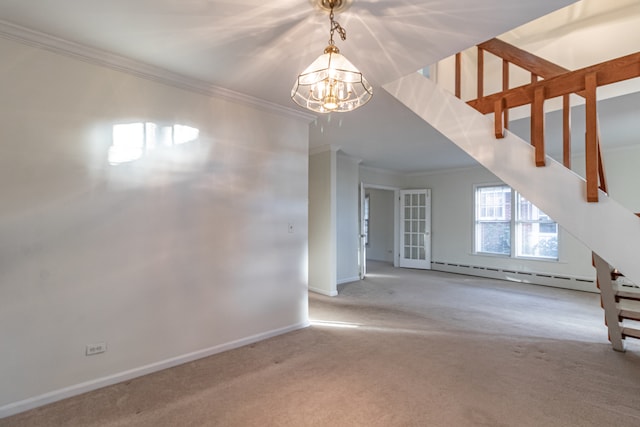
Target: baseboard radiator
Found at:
x=536, y=278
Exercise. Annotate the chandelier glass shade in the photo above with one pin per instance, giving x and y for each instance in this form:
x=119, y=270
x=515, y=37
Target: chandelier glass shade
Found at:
x=331, y=83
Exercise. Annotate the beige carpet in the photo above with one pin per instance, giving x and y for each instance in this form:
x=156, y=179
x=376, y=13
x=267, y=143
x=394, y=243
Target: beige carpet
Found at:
x=401, y=348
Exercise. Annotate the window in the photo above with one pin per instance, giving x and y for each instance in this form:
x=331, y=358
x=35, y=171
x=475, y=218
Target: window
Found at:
x=525, y=231
x=493, y=220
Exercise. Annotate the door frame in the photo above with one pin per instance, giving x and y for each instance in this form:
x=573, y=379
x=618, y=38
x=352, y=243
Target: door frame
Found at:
x=396, y=217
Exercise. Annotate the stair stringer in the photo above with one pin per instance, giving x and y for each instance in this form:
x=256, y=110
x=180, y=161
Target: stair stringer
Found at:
x=606, y=227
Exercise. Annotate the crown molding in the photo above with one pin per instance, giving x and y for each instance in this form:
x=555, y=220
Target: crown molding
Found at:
x=445, y=171
x=381, y=170
x=123, y=64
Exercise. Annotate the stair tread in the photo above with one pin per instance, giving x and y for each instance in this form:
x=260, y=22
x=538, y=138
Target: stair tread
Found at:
x=628, y=295
x=629, y=314
x=631, y=332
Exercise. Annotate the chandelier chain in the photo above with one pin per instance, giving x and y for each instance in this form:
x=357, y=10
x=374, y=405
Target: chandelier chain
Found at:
x=335, y=26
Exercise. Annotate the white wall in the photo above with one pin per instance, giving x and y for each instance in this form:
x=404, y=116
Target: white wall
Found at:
x=182, y=253
x=348, y=222
x=322, y=222
x=381, y=225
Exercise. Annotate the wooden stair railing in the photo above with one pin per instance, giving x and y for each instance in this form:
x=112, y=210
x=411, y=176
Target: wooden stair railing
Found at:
x=557, y=82
x=538, y=67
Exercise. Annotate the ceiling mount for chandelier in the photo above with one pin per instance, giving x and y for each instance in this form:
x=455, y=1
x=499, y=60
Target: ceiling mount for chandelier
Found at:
x=331, y=82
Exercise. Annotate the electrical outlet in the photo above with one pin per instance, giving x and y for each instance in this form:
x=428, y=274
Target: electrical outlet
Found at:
x=97, y=348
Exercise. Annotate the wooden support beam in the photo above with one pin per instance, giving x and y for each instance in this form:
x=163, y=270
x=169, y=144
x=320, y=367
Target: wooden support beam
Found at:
x=616, y=70
x=537, y=131
x=591, y=138
x=481, y=73
x=566, y=131
x=458, y=88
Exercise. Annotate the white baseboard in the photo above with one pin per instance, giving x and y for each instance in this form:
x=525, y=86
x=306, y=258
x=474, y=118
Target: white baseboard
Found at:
x=348, y=280
x=535, y=278
x=323, y=291
x=74, y=390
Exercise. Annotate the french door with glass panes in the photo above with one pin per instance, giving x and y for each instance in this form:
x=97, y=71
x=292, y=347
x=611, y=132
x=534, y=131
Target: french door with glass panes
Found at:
x=415, y=229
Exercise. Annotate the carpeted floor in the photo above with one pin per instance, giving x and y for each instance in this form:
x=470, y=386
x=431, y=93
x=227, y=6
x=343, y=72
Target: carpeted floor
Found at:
x=401, y=348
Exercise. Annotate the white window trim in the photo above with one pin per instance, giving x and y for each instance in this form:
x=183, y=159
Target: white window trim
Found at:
x=512, y=229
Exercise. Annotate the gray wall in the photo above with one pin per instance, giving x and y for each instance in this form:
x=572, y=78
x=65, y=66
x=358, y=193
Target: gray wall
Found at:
x=347, y=225
x=181, y=253
x=381, y=225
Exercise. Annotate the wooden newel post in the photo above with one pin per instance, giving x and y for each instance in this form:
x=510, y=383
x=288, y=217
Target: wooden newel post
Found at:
x=591, y=138
x=498, y=125
x=458, y=83
x=566, y=131
x=480, y=73
x=537, y=128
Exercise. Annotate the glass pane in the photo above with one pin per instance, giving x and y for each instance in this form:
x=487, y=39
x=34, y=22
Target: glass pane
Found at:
x=407, y=252
x=407, y=213
x=407, y=226
x=421, y=226
x=422, y=200
x=420, y=239
x=414, y=239
x=532, y=241
x=414, y=253
x=414, y=199
x=422, y=213
x=414, y=212
x=493, y=237
x=407, y=239
x=422, y=253
x=527, y=211
x=407, y=200
x=493, y=203
x=548, y=227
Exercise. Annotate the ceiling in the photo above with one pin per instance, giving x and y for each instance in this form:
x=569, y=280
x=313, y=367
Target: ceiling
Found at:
x=258, y=47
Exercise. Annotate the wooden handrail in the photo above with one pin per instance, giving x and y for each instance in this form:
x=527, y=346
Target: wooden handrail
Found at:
x=523, y=59
x=613, y=71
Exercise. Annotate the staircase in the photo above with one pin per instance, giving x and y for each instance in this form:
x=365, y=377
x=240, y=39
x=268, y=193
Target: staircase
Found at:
x=621, y=306
x=580, y=206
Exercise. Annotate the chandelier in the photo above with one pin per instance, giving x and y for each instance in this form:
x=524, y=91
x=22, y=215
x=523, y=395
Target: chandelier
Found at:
x=331, y=83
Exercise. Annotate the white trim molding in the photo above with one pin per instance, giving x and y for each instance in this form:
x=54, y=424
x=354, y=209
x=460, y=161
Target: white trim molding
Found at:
x=116, y=62
x=74, y=390
x=348, y=280
x=531, y=277
x=332, y=293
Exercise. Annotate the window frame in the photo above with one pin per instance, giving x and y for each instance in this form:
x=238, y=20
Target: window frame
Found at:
x=515, y=222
